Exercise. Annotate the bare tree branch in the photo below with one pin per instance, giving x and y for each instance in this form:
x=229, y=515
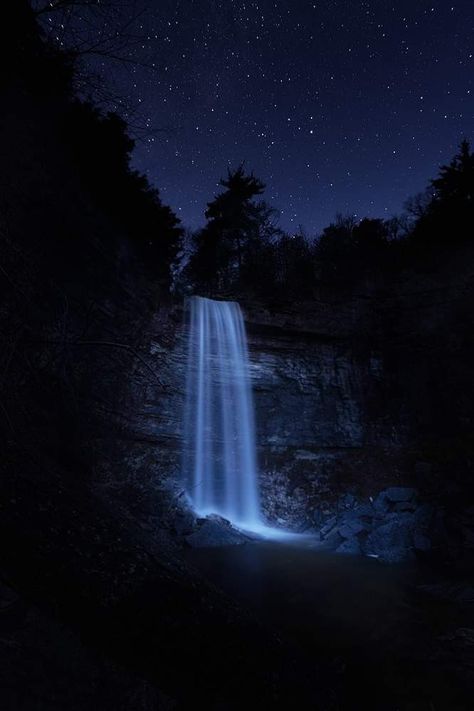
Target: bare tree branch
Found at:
x=94, y=34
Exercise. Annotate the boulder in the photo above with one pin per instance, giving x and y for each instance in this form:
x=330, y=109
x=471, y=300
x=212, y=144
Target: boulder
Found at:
x=348, y=501
x=349, y=529
x=389, y=498
x=392, y=542
x=215, y=531
x=333, y=540
x=404, y=506
x=350, y=547
x=328, y=526
x=184, y=522
x=396, y=494
x=381, y=504
x=364, y=510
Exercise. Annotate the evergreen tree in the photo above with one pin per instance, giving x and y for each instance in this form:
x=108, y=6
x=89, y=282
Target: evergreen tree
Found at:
x=455, y=182
x=237, y=226
x=348, y=251
x=101, y=152
x=449, y=216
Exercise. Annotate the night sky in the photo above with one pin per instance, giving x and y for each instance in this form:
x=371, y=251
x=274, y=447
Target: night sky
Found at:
x=338, y=105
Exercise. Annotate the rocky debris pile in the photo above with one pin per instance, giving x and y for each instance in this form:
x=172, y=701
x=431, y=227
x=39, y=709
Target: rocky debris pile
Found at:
x=205, y=532
x=394, y=526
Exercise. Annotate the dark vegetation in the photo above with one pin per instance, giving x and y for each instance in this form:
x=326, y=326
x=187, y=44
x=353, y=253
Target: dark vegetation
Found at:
x=98, y=145
x=241, y=248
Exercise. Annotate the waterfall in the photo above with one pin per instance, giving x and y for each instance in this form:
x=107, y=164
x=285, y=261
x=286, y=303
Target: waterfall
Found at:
x=219, y=455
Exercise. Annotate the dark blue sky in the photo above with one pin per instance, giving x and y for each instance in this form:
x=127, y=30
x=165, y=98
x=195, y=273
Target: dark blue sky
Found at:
x=338, y=105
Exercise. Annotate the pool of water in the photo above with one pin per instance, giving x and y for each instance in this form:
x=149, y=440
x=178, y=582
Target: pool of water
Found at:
x=365, y=627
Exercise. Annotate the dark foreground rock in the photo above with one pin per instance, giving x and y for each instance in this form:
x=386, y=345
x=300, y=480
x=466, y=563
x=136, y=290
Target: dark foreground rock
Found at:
x=394, y=526
x=215, y=531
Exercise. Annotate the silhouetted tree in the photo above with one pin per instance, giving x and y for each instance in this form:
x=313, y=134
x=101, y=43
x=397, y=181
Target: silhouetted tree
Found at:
x=293, y=267
x=102, y=152
x=237, y=227
x=97, y=144
x=27, y=60
x=348, y=251
x=97, y=35
x=448, y=218
x=455, y=182
x=370, y=238
x=417, y=206
x=334, y=248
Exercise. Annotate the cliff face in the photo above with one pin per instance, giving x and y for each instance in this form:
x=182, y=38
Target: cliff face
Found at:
x=313, y=382
x=352, y=395
x=373, y=391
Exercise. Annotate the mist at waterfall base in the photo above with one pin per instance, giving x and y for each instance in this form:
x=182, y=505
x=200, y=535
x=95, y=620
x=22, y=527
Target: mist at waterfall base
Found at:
x=219, y=450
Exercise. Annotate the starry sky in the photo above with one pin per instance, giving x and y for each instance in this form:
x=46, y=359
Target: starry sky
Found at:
x=339, y=106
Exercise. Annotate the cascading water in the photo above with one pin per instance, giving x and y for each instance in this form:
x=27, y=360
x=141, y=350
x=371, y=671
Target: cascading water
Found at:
x=220, y=468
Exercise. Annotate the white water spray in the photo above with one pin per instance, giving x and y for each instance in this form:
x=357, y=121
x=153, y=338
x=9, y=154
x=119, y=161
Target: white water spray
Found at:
x=219, y=433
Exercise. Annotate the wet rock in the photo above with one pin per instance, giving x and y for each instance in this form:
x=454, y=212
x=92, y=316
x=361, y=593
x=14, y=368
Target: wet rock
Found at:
x=364, y=510
x=348, y=501
x=395, y=498
x=184, y=522
x=392, y=542
x=404, y=506
x=396, y=494
x=328, y=526
x=393, y=527
x=381, y=503
x=350, y=547
x=215, y=531
x=353, y=528
x=318, y=518
x=333, y=540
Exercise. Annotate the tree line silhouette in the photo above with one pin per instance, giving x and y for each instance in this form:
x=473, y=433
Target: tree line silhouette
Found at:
x=97, y=144
x=241, y=247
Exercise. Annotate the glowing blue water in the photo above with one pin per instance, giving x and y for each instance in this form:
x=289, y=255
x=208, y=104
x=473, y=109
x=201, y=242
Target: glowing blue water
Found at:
x=220, y=467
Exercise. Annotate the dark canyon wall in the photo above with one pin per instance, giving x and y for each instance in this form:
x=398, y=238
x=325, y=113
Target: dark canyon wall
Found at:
x=376, y=390
x=84, y=553
x=352, y=394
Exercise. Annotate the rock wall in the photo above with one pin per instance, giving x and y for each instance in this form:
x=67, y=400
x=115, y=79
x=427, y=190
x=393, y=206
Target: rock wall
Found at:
x=315, y=378
x=370, y=391
x=353, y=395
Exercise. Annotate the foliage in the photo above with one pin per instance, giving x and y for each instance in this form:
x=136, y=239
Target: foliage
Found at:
x=241, y=244
x=102, y=150
x=447, y=217
x=238, y=226
x=98, y=145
